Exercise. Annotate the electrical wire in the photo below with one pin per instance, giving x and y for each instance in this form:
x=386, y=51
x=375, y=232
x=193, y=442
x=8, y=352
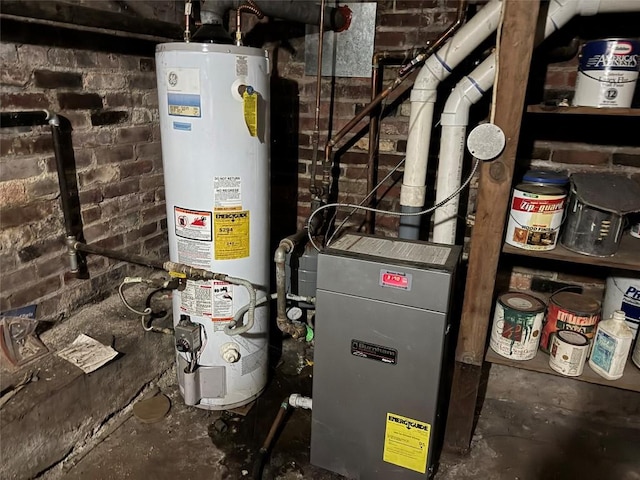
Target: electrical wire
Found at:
x=144, y=313
x=339, y=227
x=395, y=214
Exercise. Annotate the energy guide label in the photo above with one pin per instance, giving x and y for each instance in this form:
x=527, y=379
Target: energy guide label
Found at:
x=406, y=442
x=231, y=235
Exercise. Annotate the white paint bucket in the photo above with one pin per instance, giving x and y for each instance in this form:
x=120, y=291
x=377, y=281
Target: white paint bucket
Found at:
x=568, y=353
x=535, y=217
x=607, y=73
x=635, y=356
x=623, y=293
x=517, y=324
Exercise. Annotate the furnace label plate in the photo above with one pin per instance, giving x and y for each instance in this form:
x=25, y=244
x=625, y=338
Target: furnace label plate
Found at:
x=374, y=352
x=406, y=442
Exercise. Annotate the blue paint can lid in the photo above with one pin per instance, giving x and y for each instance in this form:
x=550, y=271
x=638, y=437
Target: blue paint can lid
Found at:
x=546, y=177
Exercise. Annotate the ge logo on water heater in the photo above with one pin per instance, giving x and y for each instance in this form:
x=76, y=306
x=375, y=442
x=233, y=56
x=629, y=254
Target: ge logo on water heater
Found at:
x=172, y=79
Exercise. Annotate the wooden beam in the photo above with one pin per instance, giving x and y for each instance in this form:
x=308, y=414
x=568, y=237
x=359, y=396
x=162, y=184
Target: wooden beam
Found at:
x=78, y=16
x=514, y=57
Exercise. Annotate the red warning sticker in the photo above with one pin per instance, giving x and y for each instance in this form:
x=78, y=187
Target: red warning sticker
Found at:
x=193, y=224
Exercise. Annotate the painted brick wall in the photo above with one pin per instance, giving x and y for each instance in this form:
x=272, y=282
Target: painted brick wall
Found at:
x=110, y=101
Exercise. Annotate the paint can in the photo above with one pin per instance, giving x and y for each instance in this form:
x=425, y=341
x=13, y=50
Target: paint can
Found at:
x=570, y=311
x=635, y=356
x=607, y=73
x=590, y=230
x=623, y=293
x=634, y=231
x=568, y=353
x=517, y=322
x=535, y=217
x=546, y=178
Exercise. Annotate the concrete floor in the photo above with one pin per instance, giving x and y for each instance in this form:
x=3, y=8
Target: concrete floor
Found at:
x=532, y=426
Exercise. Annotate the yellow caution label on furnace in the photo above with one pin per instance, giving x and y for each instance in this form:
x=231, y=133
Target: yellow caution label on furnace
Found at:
x=231, y=235
x=406, y=442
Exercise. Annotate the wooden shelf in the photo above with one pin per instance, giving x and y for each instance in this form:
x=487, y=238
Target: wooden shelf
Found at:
x=620, y=112
x=540, y=363
x=626, y=258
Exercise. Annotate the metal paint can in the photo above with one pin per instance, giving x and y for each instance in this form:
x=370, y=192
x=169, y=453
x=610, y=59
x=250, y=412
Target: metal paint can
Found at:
x=517, y=323
x=568, y=353
x=623, y=293
x=535, y=217
x=607, y=73
x=547, y=178
x=570, y=311
x=590, y=230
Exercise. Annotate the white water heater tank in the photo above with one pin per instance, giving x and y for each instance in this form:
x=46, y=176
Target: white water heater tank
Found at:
x=214, y=128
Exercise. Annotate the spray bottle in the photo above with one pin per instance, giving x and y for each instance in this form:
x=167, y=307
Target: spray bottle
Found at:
x=611, y=346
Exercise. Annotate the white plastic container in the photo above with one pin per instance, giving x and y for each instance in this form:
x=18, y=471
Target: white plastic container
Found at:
x=611, y=347
x=623, y=293
x=635, y=357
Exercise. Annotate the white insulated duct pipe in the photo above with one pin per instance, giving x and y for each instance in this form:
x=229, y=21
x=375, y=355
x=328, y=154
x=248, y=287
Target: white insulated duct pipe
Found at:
x=423, y=96
x=455, y=116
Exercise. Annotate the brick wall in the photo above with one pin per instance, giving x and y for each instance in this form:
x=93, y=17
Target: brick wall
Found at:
x=110, y=101
x=401, y=26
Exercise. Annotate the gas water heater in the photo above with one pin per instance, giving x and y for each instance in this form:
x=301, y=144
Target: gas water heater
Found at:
x=214, y=126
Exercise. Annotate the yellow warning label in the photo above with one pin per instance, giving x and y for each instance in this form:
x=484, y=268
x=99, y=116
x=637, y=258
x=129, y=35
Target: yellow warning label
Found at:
x=406, y=442
x=251, y=112
x=231, y=235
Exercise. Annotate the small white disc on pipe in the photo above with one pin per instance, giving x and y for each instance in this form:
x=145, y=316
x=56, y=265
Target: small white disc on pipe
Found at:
x=486, y=141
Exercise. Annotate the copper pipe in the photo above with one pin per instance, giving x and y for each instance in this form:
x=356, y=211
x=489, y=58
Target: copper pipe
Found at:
x=402, y=75
x=251, y=7
x=315, y=139
x=378, y=61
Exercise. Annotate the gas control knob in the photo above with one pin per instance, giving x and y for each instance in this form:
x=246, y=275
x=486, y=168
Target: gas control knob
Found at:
x=230, y=352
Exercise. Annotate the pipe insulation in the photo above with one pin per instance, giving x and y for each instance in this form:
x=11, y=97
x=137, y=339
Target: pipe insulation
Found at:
x=423, y=97
x=455, y=116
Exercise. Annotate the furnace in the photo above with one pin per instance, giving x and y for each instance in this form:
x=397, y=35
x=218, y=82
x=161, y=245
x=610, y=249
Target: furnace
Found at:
x=382, y=323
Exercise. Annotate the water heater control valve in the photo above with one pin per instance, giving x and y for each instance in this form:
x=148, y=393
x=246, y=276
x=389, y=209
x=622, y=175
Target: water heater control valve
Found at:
x=187, y=335
x=230, y=352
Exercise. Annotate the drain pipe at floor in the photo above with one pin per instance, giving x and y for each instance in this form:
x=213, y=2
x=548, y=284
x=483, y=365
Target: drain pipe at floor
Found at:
x=455, y=116
x=294, y=400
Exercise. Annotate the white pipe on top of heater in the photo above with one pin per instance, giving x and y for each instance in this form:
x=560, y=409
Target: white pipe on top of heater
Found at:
x=455, y=116
x=423, y=96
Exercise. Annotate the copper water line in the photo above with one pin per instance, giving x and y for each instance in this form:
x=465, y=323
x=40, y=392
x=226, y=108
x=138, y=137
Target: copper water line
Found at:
x=402, y=75
x=315, y=139
x=378, y=61
x=251, y=7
